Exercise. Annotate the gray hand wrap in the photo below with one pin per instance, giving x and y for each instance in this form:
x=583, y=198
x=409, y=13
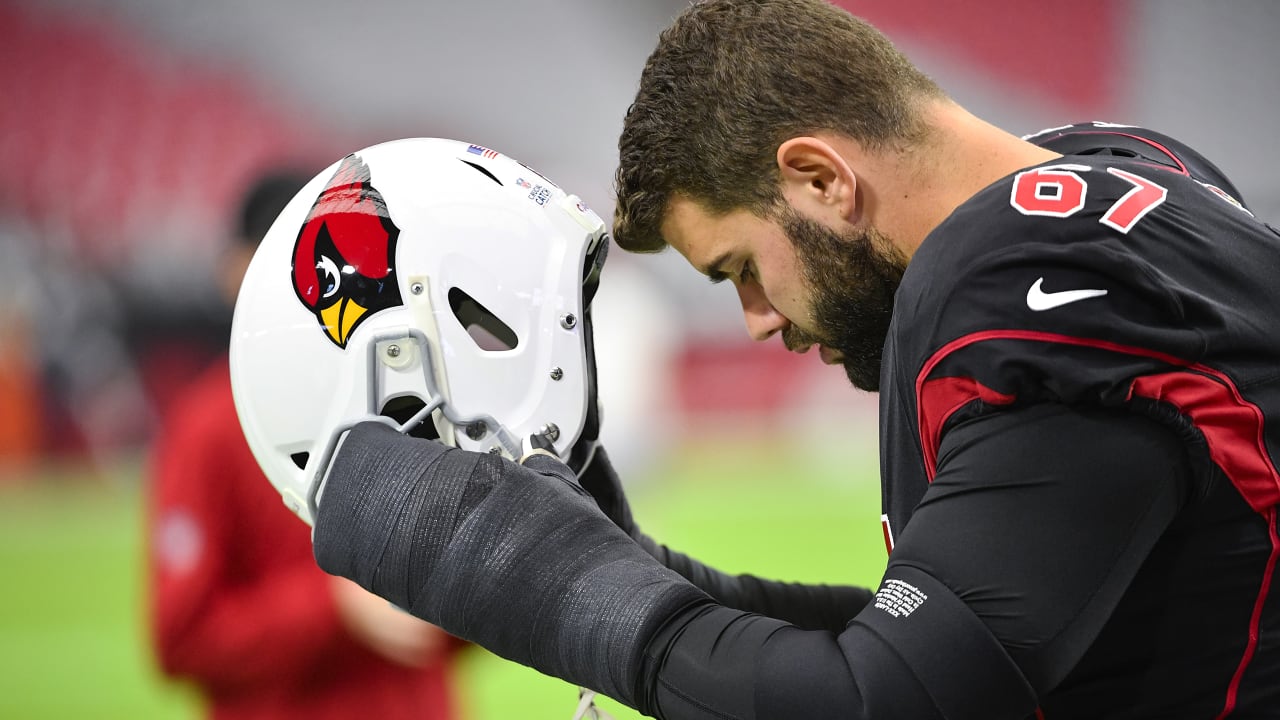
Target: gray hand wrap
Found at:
x=518, y=559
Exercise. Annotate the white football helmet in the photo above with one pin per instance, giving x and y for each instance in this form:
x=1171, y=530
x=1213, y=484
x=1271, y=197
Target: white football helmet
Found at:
x=438, y=287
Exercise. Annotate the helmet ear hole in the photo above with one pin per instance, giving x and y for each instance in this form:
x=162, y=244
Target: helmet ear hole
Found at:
x=402, y=409
x=300, y=459
x=486, y=329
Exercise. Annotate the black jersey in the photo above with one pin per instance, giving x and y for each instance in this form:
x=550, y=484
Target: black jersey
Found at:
x=1062, y=309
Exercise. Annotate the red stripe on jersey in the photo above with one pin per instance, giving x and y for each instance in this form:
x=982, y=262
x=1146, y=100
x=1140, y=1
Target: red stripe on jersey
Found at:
x=939, y=399
x=888, y=534
x=1255, y=621
x=928, y=424
x=1168, y=153
x=1231, y=425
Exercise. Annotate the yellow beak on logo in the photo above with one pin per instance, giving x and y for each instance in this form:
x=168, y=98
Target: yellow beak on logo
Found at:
x=339, y=318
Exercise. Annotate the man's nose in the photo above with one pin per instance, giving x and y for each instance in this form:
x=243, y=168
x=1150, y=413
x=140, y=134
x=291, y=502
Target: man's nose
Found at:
x=763, y=319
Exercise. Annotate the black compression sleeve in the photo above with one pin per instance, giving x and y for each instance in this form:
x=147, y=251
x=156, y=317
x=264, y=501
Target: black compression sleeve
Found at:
x=917, y=653
x=807, y=606
x=812, y=607
x=1020, y=550
x=1033, y=528
x=1039, y=520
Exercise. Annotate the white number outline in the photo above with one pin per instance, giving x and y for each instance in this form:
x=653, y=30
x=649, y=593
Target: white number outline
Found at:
x=1123, y=214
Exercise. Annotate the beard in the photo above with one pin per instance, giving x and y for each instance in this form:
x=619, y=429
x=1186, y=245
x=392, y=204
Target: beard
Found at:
x=853, y=276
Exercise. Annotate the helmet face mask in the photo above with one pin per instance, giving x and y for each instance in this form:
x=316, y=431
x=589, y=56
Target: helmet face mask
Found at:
x=435, y=286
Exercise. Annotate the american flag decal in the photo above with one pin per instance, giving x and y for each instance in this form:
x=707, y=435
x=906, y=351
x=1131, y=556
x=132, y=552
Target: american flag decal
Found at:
x=482, y=151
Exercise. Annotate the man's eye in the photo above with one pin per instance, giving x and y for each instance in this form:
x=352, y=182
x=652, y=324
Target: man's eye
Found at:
x=745, y=274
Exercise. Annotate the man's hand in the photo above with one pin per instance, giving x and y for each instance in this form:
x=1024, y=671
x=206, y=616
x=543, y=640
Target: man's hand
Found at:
x=385, y=629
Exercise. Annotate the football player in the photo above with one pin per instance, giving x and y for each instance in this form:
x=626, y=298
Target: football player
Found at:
x=1076, y=363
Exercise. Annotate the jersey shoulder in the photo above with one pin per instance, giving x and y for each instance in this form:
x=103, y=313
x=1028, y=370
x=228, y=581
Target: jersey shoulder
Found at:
x=1059, y=226
x=1140, y=144
x=1023, y=286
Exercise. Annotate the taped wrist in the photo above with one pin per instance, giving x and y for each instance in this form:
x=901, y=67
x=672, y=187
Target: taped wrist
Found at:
x=519, y=560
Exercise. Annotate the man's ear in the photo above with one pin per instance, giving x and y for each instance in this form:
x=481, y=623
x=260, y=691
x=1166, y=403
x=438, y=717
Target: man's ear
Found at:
x=816, y=177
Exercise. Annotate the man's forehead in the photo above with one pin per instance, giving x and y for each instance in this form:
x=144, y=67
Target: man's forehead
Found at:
x=704, y=238
x=682, y=221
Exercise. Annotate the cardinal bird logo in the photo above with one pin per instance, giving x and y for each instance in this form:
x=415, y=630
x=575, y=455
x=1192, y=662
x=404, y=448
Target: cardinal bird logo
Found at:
x=343, y=262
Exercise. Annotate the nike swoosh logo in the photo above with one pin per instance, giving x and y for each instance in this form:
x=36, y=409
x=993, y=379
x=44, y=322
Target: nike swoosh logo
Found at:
x=1040, y=300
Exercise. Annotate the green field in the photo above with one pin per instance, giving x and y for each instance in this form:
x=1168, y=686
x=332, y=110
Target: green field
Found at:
x=72, y=623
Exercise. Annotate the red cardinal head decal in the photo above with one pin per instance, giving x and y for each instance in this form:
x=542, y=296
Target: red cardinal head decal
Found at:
x=343, y=262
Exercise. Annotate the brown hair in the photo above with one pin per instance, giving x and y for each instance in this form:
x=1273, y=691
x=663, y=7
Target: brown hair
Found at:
x=730, y=81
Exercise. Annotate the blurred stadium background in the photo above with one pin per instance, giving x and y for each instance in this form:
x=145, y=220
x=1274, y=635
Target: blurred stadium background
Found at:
x=128, y=128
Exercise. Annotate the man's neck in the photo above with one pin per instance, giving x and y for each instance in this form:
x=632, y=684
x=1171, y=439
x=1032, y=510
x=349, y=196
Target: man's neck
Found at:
x=906, y=194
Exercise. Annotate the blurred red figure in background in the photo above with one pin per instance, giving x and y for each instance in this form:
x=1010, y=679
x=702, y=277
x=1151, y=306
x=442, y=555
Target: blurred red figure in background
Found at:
x=238, y=606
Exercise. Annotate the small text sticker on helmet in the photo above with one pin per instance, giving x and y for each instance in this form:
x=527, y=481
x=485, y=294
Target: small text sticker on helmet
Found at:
x=540, y=194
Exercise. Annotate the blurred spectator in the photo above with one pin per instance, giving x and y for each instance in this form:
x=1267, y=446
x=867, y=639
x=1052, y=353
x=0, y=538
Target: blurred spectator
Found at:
x=19, y=400
x=68, y=385
x=239, y=607
x=21, y=413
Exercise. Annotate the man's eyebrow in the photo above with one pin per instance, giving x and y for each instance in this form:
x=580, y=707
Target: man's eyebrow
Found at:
x=714, y=272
